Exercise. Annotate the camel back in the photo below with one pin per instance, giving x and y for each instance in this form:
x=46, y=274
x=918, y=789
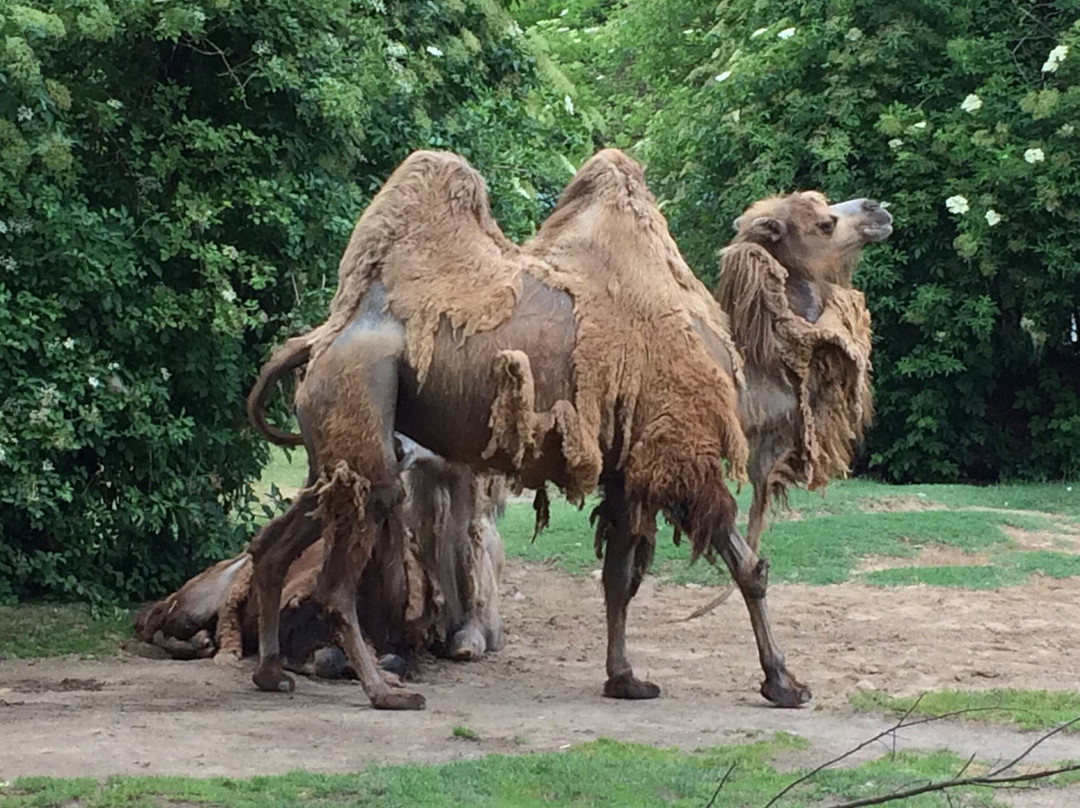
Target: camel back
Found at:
x=644, y=382
x=645, y=386
x=828, y=360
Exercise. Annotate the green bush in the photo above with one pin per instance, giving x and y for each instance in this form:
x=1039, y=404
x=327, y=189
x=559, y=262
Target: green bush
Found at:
x=916, y=102
x=177, y=180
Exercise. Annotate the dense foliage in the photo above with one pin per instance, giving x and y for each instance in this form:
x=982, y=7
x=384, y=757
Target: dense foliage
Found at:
x=963, y=115
x=177, y=180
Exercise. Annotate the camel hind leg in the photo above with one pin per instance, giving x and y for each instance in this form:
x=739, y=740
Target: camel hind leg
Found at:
x=348, y=401
x=751, y=574
x=273, y=550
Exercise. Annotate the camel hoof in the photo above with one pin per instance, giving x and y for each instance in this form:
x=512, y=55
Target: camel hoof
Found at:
x=628, y=686
x=392, y=663
x=785, y=690
x=467, y=646
x=330, y=663
x=272, y=678
x=227, y=659
x=398, y=700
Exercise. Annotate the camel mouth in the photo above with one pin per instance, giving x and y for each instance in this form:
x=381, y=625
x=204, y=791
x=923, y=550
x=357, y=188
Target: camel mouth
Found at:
x=877, y=232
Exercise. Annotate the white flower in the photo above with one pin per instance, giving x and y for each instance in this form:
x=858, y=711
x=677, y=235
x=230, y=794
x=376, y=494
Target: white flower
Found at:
x=919, y=125
x=93, y=381
x=957, y=204
x=1054, y=60
x=895, y=143
x=46, y=465
x=568, y=104
x=1066, y=130
x=231, y=252
x=853, y=34
x=971, y=104
x=993, y=218
x=229, y=295
x=165, y=374
x=69, y=343
x=114, y=366
x=758, y=33
x=1034, y=156
x=24, y=114
x=723, y=76
x=787, y=33
x=115, y=103
x=433, y=51
x=1072, y=328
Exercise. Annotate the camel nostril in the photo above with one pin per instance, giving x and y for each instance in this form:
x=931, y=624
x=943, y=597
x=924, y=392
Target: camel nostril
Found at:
x=870, y=206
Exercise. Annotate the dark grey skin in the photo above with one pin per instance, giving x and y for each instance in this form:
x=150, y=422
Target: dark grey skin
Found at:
x=449, y=415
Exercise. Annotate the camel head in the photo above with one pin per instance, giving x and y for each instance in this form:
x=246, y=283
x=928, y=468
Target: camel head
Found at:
x=812, y=239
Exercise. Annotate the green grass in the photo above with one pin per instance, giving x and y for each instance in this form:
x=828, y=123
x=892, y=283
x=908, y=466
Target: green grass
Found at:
x=43, y=630
x=829, y=536
x=1024, y=709
x=594, y=775
x=465, y=733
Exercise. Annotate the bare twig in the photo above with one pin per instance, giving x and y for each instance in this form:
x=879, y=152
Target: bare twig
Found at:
x=708, y=607
x=898, y=725
x=723, y=780
x=995, y=778
x=1039, y=740
x=943, y=785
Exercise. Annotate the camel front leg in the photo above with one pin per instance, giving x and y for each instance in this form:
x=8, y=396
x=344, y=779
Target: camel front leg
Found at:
x=625, y=561
x=751, y=574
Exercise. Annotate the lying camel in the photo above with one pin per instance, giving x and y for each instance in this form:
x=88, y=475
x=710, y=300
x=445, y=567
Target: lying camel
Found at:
x=591, y=356
x=439, y=589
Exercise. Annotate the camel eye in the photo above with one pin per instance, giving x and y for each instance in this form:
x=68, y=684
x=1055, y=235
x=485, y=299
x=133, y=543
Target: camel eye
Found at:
x=827, y=226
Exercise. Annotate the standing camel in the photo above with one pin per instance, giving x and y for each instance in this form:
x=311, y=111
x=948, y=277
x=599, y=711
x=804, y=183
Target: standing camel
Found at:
x=589, y=356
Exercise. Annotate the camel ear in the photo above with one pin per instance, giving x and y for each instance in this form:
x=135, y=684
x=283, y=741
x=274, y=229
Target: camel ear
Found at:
x=765, y=228
x=736, y=223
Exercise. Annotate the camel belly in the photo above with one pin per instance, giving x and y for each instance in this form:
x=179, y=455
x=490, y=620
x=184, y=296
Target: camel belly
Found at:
x=449, y=413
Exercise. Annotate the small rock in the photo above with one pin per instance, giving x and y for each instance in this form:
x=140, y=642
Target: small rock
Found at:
x=596, y=575
x=864, y=685
x=519, y=595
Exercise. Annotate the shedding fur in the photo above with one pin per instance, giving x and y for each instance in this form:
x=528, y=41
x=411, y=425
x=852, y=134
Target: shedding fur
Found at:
x=827, y=361
x=409, y=597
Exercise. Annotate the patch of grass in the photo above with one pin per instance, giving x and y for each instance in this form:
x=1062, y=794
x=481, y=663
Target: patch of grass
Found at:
x=594, y=775
x=1025, y=709
x=46, y=630
x=822, y=547
x=465, y=733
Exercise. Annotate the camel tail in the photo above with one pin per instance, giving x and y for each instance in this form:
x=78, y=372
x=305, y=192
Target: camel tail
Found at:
x=293, y=355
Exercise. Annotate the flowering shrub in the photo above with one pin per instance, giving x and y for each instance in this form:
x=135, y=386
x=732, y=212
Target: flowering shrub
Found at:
x=962, y=115
x=177, y=181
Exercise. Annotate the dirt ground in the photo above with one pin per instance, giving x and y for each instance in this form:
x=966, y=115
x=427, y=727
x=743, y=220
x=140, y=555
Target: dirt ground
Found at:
x=129, y=715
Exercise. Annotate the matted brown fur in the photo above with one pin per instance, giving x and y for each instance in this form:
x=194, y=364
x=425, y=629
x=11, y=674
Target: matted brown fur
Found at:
x=827, y=361
x=645, y=385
